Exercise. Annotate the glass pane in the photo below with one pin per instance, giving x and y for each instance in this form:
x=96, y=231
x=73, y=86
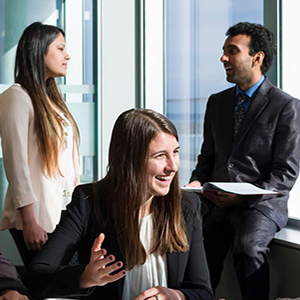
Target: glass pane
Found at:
x=195, y=33
x=289, y=63
x=15, y=16
x=79, y=38
x=76, y=18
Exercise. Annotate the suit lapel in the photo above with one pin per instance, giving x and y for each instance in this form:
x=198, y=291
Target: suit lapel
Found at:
x=258, y=103
x=225, y=120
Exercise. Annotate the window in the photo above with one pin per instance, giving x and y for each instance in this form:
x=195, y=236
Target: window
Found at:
x=195, y=33
x=78, y=85
x=101, y=81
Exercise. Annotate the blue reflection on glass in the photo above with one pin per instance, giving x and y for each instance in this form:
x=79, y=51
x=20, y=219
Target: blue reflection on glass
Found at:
x=195, y=33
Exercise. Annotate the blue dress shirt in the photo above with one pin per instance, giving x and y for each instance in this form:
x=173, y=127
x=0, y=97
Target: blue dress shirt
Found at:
x=249, y=92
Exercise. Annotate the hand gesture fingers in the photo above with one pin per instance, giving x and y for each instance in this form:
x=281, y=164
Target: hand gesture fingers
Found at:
x=105, y=274
x=97, y=253
x=98, y=242
x=98, y=271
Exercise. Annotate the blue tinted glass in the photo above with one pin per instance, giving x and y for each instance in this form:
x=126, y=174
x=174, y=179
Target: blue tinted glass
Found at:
x=195, y=33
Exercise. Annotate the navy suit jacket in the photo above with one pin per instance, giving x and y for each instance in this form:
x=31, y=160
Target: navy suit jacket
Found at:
x=50, y=275
x=266, y=151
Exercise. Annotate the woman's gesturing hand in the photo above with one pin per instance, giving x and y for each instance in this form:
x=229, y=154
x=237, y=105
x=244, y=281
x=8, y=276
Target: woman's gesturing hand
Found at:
x=98, y=270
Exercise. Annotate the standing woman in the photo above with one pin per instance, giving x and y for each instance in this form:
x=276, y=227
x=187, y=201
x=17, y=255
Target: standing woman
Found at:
x=39, y=140
x=137, y=218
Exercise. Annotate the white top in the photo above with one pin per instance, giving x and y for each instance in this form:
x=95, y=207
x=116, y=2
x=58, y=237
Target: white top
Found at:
x=152, y=273
x=68, y=167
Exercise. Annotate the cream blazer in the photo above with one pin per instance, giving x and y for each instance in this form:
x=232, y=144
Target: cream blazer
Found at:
x=22, y=162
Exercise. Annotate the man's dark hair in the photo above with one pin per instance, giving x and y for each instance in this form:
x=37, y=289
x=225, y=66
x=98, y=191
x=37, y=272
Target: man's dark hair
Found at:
x=261, y=39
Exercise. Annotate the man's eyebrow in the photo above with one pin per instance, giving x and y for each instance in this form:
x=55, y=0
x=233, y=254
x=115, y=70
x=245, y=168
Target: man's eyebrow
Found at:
x=230, y=46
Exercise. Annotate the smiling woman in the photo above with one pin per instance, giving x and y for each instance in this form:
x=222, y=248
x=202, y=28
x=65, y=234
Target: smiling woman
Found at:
x=137, y=218
x=163, y=164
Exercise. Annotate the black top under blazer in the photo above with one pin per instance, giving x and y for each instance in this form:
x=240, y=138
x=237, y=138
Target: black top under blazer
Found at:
x=266, y=151
x=50, y=275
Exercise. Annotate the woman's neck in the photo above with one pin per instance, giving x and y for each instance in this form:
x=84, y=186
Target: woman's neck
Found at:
x=145, y=209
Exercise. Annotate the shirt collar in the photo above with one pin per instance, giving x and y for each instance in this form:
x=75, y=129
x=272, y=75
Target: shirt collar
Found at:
x=252, y=89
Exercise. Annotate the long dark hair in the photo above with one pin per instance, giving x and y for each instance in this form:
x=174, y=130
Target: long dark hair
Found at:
x=125, y=188
x=30, y=74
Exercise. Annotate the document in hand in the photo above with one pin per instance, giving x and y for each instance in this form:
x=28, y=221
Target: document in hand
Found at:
x=239, y=188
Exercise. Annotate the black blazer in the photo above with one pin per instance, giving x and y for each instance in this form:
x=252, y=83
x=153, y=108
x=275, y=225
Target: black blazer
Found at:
x=50, y=275
x=266, y=151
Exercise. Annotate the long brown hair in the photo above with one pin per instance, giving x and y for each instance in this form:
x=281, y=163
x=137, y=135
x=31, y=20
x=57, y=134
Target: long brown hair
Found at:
x=30, y=74
x=125, y=188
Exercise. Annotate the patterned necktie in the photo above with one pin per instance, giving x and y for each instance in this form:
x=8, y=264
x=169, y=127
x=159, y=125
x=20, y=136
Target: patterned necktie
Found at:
x=239, y=112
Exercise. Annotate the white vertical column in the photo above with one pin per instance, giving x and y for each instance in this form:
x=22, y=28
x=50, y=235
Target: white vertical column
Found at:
x=154, y=55
x=290, y=64
x=74, y=42
x=290, y=46
x=116, y=67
